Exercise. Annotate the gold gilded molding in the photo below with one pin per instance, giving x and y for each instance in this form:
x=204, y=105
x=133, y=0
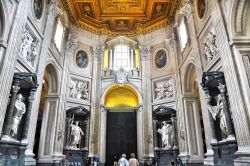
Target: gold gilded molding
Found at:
x=121, y=17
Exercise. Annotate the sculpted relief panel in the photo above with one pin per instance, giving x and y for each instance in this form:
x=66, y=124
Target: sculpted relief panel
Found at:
x=163, y=89
x=29, y=48
x=209, y=47
x=79, y=89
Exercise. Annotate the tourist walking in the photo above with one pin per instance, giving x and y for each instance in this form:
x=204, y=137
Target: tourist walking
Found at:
x=123, y=161
x=133, y=161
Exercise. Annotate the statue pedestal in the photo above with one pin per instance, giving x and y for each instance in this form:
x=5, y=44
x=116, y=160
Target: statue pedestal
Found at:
x=165, y=156
x=76, y=156
x=224, y=152
x=12, y=153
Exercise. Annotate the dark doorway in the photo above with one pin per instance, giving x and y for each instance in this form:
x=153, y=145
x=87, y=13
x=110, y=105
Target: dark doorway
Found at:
x=121, y=135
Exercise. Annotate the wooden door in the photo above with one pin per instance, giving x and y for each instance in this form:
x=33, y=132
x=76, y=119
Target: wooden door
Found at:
x=121, y=135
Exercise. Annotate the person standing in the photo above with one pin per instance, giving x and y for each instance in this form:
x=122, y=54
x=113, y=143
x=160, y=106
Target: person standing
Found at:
x=123, y=161
x=133, y=161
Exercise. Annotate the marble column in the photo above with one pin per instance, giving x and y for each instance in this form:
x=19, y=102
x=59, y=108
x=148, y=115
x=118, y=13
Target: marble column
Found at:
x=155, y=134
x=229, y=123
x=86, y=139
x=28, y=114
x=14, y=89
x=67, y=137
x=173, y=119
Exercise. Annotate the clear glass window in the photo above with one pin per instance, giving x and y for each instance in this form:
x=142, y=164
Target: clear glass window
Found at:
x=121, y=57
x=59, y=35
x=183, y=35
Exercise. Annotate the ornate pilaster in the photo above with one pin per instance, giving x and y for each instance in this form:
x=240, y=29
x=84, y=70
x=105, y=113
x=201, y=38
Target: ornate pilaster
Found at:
x=28, y=114
x=155, y=134
x=86, y=139
x=173, y=119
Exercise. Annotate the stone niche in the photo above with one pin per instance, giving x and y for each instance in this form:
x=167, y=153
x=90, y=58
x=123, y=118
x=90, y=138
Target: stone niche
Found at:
x=77, y=135
x=16, y=124
x=223, y=139
x=165, y=138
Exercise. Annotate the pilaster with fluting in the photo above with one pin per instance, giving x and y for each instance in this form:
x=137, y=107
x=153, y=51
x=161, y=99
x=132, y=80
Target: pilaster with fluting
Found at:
x=10, y=57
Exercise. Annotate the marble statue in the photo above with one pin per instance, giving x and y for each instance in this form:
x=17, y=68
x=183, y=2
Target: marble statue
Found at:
x=20, y=109
x=217, y=111
x=76, y=133
x=167, y=135
x=72, y=87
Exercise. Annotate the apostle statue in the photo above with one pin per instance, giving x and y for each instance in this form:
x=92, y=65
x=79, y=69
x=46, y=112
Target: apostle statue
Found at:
x=76, y=133
x=217, y=111
x=167, y=135
x=20, y=109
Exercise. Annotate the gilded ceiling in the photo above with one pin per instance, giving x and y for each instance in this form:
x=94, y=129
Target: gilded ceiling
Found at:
x=121, y=17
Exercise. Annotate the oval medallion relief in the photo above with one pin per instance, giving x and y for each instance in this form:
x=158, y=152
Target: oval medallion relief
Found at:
x=82, y=59
x=201, y=8
x=38, y=8
x=160, y=58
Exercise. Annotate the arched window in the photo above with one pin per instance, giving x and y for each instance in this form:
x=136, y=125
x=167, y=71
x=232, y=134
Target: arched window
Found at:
x=121, y=56
x=59, y=34
x=183, y=34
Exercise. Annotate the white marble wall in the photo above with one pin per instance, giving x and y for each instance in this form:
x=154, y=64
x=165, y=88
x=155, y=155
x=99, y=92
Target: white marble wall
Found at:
x=224, y=22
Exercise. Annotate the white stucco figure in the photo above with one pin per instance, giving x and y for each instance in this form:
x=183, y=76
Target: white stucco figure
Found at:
x=76, y=133
x=20, y=109
x=167, y=135
x=72, y=87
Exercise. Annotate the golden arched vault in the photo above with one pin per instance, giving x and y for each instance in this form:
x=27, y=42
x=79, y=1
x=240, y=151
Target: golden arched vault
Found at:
x=121, y=96
x=121, y=17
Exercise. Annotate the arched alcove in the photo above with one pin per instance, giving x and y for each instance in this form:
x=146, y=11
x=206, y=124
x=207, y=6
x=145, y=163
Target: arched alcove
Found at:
x=118, y=96
x=46, y=122
x=193, y=114
x=121, y=110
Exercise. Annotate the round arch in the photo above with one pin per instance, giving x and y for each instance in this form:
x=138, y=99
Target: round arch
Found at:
x=131, y=87
x=103, y=120
x=239, y=20
x=190, y=76
x=192, y=112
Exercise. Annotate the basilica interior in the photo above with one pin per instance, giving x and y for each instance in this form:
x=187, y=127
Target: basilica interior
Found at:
x=85, y=81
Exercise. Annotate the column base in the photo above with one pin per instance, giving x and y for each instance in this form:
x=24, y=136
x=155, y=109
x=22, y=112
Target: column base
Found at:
x=243, y=158
x=224, y=152
x=28, y=159
x=12, y=153
x=165, y=157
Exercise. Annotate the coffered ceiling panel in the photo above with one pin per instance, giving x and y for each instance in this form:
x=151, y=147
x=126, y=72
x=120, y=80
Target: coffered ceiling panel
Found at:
x=121, y=17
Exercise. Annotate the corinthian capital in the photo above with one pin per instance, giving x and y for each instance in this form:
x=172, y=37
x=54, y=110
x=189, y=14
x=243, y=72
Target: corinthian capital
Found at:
x=71, y=43
x=187, y=8
x=144, y=52
x=98, y=52
x=54, y=9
